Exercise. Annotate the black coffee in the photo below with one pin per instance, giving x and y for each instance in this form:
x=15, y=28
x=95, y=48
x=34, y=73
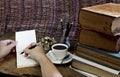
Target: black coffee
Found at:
x=59, y=47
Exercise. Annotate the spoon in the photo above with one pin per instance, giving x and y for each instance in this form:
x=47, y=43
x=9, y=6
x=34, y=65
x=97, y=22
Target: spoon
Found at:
x=65, y=58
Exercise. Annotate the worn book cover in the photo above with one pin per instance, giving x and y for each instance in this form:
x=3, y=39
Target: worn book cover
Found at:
x=98, y=40
x=91, y=69
x=99, y=56
x=101, y=18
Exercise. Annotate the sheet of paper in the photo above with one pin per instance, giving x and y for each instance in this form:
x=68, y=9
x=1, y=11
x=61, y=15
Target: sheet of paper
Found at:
x=24, y=38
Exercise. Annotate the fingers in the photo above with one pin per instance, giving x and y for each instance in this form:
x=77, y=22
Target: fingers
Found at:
x=12, y=45
x=7, y=42
x=27, y=50
x=29, y=46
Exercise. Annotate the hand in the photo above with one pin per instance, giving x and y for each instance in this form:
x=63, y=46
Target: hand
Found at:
x=39, y=55
x=6, y=46
x=36, y=52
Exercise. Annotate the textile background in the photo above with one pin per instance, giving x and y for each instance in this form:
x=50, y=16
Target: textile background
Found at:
x=43, y=15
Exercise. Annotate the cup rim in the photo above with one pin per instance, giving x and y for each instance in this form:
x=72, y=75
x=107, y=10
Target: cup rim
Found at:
x=60, y=44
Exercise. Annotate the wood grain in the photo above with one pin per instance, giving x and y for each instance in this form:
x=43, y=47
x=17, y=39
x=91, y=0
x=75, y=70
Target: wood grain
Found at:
x=8, y=66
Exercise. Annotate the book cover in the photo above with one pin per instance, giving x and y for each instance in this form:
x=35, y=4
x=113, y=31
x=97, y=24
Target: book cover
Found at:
x=82, y=72
x=98, y=40
x=99, y=56
x=91, y=69
x=101, y=17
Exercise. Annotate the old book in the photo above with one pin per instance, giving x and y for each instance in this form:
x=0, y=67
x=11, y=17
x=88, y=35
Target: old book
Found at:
x=83, y=72
x=102, y=18
x=91, y=69
x=24, y=38
x=99, y=56
x=98, y=40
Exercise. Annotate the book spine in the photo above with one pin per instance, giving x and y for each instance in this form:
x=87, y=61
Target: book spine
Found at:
x=100, y=51
x=113, y=71
x=90, y=69
x=83, y=72
x=102, y=62
x=96, y=56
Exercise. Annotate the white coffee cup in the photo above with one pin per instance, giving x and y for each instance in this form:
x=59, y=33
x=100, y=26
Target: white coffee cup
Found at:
x=59, y=50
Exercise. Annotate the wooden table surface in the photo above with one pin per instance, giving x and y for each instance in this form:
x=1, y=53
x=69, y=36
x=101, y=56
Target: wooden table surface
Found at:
x=8, y=66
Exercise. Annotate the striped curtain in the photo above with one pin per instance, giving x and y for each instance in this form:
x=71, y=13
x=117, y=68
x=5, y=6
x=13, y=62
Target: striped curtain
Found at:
x=43, y=15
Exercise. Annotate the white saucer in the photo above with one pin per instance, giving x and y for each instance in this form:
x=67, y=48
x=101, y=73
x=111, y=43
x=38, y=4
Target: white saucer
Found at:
x=55, y=61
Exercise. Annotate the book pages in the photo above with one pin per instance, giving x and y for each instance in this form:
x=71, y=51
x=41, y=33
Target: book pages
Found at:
x=94, y=64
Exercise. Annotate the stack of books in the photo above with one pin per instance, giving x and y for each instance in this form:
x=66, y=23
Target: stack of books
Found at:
x=100, y=26
x=96, y=61
x=97, y=52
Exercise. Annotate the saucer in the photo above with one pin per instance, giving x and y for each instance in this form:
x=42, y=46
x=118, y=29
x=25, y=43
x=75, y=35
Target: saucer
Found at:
x=51, y=56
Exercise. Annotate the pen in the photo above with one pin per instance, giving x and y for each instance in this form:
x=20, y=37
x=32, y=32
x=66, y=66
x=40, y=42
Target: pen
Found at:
x=68, y=29
x=32, y=47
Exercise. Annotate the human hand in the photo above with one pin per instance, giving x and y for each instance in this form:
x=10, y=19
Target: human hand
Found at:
x=36, y=52
x=6, y=46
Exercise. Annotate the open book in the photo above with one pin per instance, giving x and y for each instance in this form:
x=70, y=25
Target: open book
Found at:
x=24, y=38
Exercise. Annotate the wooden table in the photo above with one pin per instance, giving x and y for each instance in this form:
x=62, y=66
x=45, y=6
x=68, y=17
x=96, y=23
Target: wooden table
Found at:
x=8, y=66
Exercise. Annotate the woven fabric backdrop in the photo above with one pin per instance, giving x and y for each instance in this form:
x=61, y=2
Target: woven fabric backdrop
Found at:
x=43, y=15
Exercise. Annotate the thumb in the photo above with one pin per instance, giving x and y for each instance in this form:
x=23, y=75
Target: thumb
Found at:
x=12, y=45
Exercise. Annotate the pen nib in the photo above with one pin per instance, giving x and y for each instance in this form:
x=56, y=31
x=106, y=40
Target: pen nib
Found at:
x=21, y=52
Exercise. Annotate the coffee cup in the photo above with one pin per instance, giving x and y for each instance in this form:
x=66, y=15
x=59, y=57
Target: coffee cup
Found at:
x=59, y=50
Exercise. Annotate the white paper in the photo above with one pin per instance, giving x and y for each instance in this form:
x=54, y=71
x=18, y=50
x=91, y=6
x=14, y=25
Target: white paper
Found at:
x=23, y=39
